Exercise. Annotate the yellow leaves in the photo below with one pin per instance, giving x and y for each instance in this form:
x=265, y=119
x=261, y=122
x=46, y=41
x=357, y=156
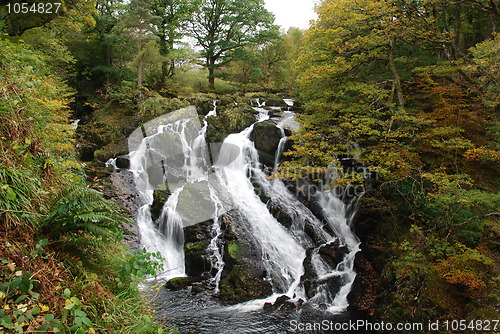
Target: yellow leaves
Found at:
x=446, y=182
x=470, y=269
x=43, y=308
x=482, y=154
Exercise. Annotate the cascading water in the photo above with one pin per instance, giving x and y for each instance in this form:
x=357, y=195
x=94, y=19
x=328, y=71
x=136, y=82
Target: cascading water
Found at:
x=176, y=154
x=282, y=254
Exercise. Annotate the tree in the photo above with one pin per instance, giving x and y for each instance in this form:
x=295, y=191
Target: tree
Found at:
x=172, y=17
x=415, y=84
x=221, y=26
x=245, y=67
x=106, y=20
x=16, y=23
x=139, y=23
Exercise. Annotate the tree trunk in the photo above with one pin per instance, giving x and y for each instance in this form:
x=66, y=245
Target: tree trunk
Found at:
x=492, y=19
x=397, y=78
x=211, y=73
x=139, y=73
x=108, y=55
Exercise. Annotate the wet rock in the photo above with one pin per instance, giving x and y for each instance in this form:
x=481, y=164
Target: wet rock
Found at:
x=243, y=277
x=362, y=298
x=123, y=161
x=230, y=119
x=280, y=215
x=266, y=137
x=124, y=192
x=127, y=130
x=196, y=260
x=179, y=283
x=275, y=101
x=196, y=240
x=242, y=283
x=205, y=107
x=160, y=196
x=284, y=304
x=333, y=253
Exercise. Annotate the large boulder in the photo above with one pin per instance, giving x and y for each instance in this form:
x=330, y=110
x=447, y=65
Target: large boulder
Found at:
x=243, y=277
x=266, y=137
x=160, y=196
x=230, y=119
x=196, y=240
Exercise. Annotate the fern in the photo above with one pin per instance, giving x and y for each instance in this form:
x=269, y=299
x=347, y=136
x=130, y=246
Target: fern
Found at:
x=83, y=211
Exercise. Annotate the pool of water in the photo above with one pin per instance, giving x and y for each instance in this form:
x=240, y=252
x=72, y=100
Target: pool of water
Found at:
x=201, y=313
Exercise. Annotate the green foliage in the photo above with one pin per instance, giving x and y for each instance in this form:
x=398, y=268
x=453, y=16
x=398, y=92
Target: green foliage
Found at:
x=156, y=106
x=82, y=211
x=70, y=269
x=222, y=26
x=23, y=313
x=139, y=264
x=20, y=196
x=414, y=84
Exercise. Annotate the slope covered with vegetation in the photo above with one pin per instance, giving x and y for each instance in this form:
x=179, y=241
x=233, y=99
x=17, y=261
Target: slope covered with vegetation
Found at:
x=63, y=267
x=412, y=87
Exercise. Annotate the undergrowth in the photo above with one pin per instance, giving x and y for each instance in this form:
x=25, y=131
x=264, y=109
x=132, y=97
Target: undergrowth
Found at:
x=63, y=268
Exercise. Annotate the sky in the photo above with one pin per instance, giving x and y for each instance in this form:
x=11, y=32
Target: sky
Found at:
x=292, y=13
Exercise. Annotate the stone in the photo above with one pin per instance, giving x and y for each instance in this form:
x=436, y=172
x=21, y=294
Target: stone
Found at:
x=333, y=253
x=266, y=137
x=179, y=283
x=123, y=161
x=160, y=196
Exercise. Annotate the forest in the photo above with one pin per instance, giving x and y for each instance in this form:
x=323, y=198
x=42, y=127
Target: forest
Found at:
x=411, y=88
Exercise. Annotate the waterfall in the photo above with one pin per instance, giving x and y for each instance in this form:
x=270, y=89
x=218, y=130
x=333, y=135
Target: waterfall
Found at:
x=281, y=147
x=172, y=153
x=282, y=254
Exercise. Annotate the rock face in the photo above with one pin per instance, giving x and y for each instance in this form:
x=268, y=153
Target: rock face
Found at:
x=160, y=196
x=266, y=137
x=196, y=240
x=332, y=254
x=230, y=119
x=243, y=277
x=362, y=298
x=124, y=193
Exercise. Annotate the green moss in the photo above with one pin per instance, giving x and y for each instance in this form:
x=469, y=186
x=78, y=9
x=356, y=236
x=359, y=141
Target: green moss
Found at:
x=179, y=283
x=235, y=250
x=157, y=105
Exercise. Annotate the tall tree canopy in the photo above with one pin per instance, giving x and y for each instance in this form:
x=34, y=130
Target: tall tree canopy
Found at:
x=412, y=88
x=221, y=26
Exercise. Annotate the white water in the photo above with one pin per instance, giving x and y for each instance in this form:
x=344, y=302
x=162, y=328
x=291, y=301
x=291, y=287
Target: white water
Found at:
x=282, y=254
x=215, y=249
x=178, y=153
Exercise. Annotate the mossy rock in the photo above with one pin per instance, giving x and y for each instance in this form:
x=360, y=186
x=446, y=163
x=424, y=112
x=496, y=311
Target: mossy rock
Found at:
x=230, y=119
x=158, y=105
x=242, y=285
x=232, y=100
x=160, y=196
x=179, y=283
x=240, y=281
x=197, y=262
x=103, y=137
x=196, y=240
x=110, y=151
x=235, y=251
